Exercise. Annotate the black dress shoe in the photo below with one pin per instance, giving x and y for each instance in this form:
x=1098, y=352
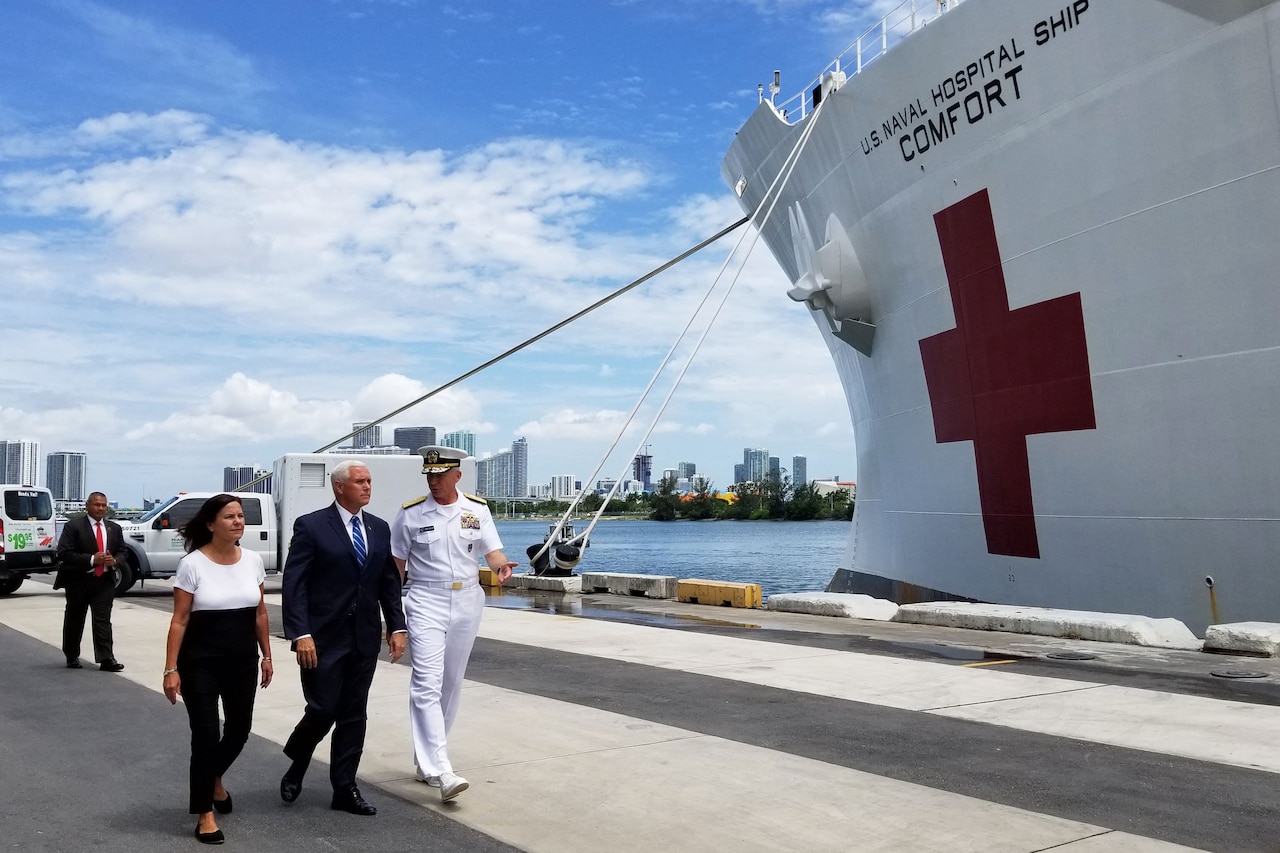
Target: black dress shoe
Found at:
x=349, y=800
x=290, y=788
x=215, y=837
x=113, y=665
x=223, y=806
x=74, y=663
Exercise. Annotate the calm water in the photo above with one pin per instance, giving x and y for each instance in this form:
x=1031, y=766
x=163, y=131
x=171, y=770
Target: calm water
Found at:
x=781, y=556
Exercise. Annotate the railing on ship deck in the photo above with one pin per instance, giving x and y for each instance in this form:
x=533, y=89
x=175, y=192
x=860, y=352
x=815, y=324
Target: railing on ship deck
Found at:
x=903, y=20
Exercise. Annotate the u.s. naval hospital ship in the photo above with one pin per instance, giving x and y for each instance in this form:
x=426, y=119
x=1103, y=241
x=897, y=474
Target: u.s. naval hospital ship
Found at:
x=1042, y=242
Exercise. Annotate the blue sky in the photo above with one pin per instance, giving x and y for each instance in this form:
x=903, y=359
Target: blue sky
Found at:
x=228, y=230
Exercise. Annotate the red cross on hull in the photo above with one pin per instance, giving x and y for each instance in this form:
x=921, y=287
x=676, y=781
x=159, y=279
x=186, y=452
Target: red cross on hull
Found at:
x=1002, y=375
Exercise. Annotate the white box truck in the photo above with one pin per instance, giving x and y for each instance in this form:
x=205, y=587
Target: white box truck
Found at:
x=28, y=539
x=299, y=485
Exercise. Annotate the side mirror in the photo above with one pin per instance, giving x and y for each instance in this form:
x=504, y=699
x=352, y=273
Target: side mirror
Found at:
x=161, y=523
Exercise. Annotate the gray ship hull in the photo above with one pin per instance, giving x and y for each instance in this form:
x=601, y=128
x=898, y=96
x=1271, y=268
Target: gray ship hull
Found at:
x=1049, y=235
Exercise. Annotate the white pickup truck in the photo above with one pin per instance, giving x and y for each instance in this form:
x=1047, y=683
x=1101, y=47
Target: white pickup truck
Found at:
x=300, y=484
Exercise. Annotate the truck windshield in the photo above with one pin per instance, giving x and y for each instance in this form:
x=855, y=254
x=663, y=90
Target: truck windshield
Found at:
x=28, y=504
x=157, y=509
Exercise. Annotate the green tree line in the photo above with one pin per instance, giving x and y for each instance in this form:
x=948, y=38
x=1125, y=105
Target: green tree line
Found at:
x=775, y=498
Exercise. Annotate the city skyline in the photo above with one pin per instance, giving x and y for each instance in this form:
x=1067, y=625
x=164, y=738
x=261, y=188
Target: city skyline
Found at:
x=508, y=466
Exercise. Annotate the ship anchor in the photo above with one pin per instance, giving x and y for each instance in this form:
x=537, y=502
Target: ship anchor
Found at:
x=832, y=282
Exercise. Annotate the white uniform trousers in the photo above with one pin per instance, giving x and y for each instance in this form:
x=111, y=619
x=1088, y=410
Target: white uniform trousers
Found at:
x=443, y=624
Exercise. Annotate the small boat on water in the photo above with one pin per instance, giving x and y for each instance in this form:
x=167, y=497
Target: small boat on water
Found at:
x=558, y=554
x=1042, y=242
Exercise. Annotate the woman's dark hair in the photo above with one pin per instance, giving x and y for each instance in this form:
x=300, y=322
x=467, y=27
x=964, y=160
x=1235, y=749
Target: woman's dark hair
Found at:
x=196, y=533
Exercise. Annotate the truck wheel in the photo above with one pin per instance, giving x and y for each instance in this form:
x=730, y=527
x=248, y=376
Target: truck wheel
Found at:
x=127, y=576
x=11, y=583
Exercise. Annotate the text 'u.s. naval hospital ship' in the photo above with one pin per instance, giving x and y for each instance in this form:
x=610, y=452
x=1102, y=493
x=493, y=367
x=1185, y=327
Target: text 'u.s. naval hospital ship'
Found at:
x=1042, y=242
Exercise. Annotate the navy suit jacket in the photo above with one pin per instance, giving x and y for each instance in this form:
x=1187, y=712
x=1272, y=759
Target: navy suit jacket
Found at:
x=327, y=595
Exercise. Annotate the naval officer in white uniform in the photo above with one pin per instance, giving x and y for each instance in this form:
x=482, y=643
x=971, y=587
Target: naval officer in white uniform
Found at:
x=440, y=539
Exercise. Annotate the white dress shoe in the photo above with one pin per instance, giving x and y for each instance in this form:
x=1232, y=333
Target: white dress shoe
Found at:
x=451, y=785
x=433, y=781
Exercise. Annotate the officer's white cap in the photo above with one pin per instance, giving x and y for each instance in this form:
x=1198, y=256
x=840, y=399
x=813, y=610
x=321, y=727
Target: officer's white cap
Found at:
x=437, y=459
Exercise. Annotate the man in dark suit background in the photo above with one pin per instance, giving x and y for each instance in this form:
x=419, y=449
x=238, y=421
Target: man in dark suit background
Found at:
x=338, y=576
x=87, y=553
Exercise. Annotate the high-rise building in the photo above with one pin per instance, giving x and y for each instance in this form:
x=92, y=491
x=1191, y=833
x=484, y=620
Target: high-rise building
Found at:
x=236, y=478
x=686, y=470
x=262, y=487
x=755, y=464
x=739, y=473
x=520, y=468
x=234, y=475
x=463, y=439
x=21, y=462
x=483, y=482
x=775, y=468
x=368, y=436
x=64, y=475
x=563, y=486
x=504, y=474
x=799, y=471
x=378, y=450
x=642, y=470
x=411, y=438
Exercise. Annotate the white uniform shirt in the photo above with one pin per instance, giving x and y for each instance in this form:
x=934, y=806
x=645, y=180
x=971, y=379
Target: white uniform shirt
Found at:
x=442, y=544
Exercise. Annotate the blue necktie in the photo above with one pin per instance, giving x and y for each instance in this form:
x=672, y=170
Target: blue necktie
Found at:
x=357, y=537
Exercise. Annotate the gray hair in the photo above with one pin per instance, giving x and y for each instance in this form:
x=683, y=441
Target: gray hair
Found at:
x=342, y=471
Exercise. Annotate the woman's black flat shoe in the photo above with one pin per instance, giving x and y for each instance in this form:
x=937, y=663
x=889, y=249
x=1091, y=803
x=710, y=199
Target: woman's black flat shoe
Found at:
x=223, y=806
x=215, y=837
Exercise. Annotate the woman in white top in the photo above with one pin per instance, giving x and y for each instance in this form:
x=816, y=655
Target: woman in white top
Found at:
x=219, y=624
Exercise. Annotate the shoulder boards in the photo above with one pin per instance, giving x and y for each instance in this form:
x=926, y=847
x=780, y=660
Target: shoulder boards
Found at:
x=476, y=499
x=414, y=502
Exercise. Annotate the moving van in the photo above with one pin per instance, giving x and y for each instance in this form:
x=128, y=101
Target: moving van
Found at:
x=28, y=534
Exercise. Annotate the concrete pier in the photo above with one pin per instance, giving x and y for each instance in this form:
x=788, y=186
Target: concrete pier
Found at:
x=621, y=723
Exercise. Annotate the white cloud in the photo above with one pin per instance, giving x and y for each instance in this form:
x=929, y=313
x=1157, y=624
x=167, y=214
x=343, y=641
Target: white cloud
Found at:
x=244, y=222
x=251, y=410
x=569, y=424
x=171, y=127
x=56, y=428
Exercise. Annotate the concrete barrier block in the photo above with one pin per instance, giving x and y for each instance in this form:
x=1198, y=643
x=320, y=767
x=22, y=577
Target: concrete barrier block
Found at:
x=719, y=593
x=573, y=583
x=621, y=583
x=1247, y=638
x=853, y=606
x=1043, y=621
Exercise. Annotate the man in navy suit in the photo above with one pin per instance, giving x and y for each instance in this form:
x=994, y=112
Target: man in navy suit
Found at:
x=88, y=551
x=338, y=576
